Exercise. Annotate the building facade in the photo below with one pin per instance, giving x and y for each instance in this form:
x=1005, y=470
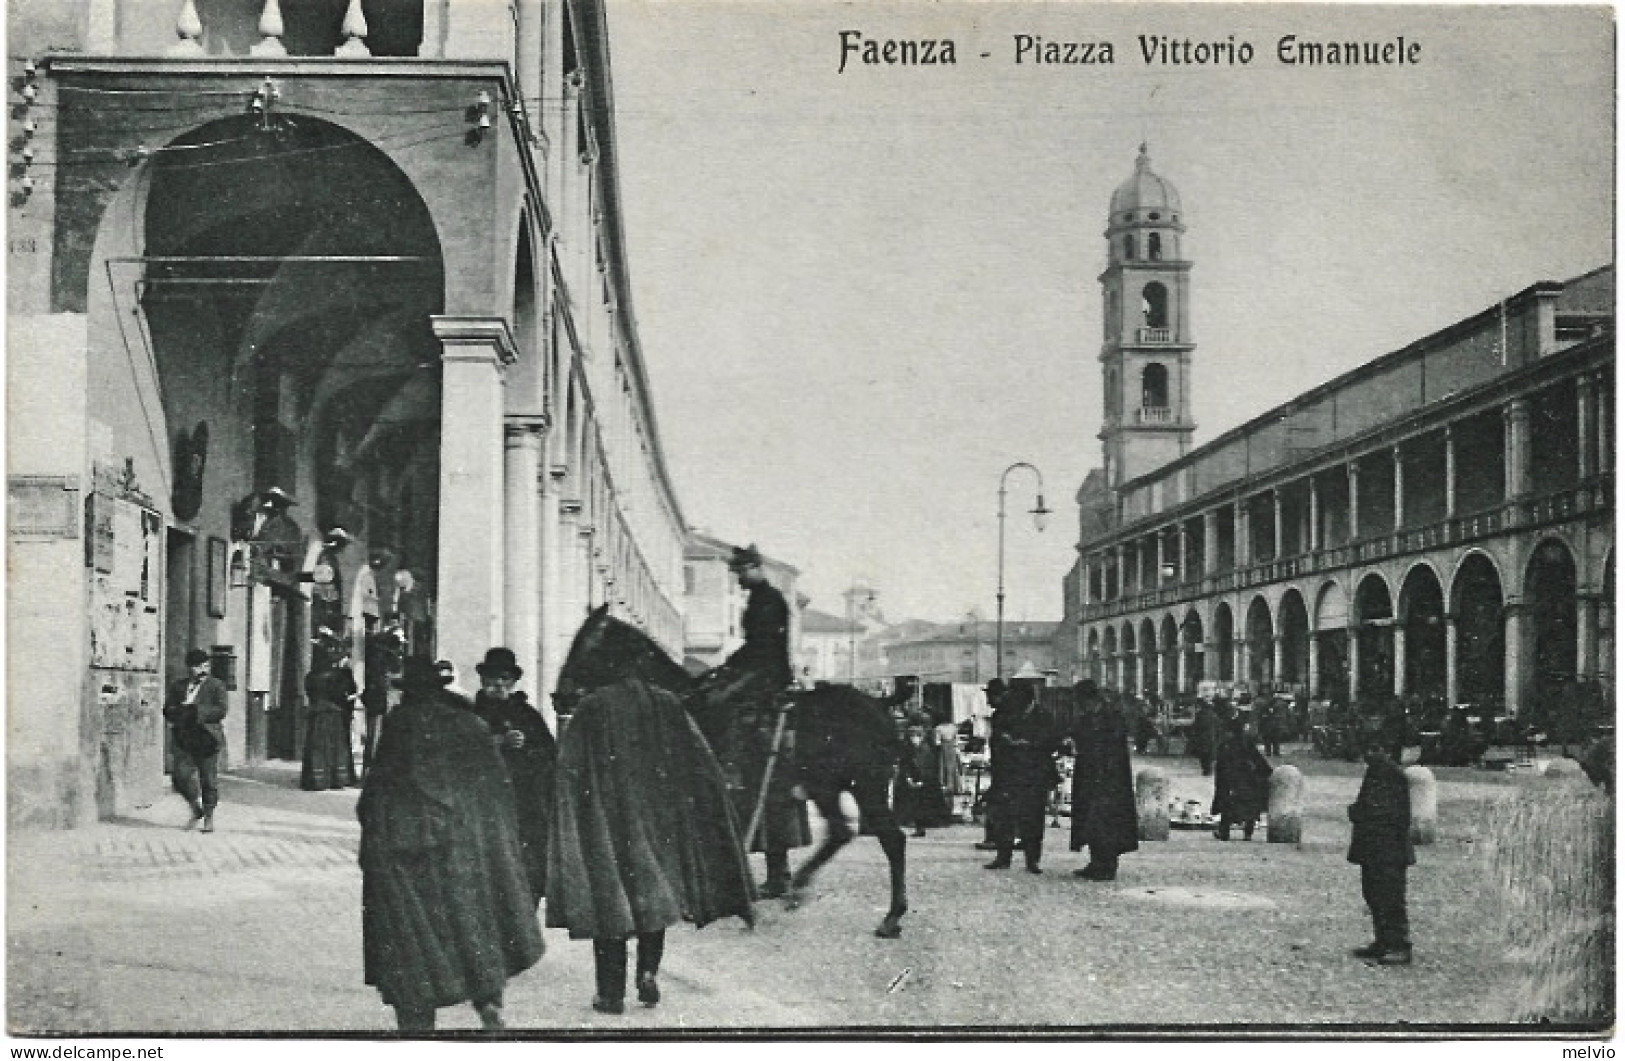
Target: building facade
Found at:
x=367, y=255
x=1438, y=522
x=828, y=651
x=968, y=652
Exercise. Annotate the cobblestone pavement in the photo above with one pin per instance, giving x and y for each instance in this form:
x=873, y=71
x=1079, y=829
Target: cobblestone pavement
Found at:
x=139, y=925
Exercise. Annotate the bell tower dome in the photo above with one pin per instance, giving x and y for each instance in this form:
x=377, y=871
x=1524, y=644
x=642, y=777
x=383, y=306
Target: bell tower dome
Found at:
x=1146, y=353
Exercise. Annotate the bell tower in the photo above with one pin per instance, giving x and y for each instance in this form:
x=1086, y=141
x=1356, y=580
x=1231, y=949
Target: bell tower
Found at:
x=1146, y=354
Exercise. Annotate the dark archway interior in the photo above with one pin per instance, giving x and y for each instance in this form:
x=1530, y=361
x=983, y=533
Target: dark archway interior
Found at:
x=1480, y=634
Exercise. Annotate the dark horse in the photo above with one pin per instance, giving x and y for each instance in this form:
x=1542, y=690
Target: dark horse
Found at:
x=844, y=742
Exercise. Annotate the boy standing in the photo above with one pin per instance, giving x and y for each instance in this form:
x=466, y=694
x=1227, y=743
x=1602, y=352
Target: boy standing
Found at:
x=1381, y=847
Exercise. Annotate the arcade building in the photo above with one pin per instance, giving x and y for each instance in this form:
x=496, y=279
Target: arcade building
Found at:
x=1436, y=523
x=319, y=317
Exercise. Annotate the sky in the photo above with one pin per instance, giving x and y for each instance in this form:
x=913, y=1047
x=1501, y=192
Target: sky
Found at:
x=862, y=296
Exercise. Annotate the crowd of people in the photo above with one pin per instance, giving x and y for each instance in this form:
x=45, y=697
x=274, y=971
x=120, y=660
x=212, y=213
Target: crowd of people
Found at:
x=644, y=810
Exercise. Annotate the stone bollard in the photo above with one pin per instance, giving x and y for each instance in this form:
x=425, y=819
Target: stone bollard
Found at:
x=1564, y=769
x=1424, y=804
x=1151, y=801
x=1286, y=806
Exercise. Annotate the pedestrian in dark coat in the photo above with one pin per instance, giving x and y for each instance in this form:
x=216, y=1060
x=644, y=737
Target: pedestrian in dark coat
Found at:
x=1241, y=778
x=447, y=915
x=528, y=751
x=195, y=707
x=1104, y=817
x=1025, y=745
x=910, y=801
x=1381, y=847
x=1203, y=736
x=643, y=833
x=328, y=762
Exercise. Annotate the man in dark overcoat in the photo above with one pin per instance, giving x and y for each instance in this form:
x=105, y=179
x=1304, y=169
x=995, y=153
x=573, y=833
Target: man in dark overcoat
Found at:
x=1241, y=777
x=528, y=750
x=1381, y=847
x=739, y=710
x=195, y=707
x=1204, y=734
x=1104, y=818
x=643, y=834
x=1025, y=743
x=447, y=915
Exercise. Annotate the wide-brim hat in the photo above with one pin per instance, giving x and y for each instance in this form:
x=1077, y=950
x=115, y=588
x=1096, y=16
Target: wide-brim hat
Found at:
x=500, y=661
x=744, y=558
x=339, y=534
x=196, y=656
x=418, y=672
x=277, y=496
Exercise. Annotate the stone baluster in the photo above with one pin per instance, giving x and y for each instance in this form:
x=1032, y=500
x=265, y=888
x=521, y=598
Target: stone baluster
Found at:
x=271, y=31
x=189, y=28
x=355, y=33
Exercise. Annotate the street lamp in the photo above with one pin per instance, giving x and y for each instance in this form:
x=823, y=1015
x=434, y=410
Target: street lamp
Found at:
x=1038, y=512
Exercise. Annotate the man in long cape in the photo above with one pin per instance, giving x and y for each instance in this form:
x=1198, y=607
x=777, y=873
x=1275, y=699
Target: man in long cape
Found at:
x=643, y=833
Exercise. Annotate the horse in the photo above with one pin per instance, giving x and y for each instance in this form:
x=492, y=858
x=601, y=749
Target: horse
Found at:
x=845, y=741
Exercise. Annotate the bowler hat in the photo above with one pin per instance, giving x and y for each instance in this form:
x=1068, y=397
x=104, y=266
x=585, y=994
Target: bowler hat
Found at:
x=339, y=534
x=277, y=496
x=743, y=558
x=195, y=656
x=500, y=661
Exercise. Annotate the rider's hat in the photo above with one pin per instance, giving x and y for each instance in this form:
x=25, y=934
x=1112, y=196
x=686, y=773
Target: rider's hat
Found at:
x=743, y=558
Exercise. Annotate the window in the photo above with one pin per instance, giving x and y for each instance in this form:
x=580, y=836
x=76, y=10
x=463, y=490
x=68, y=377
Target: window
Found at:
x=1154, y=386
x=1153, y=245
x=1154, y=305
x=1128, y=247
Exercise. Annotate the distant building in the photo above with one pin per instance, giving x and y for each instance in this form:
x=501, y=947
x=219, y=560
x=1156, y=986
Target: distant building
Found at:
x=967, y=652
x=828, y=643
x=1437, y=522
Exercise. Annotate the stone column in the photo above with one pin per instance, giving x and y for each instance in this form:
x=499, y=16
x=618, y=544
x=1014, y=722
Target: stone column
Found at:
x=1182, y=664
x=1210, y=660
x=1354, y=661
x=1583, y=426
x=1354, y=501
x=1516, y=418
x=1517, y=661
x=1452, y=685
x=1399, y=634
x=469, y=581
x=1605, y=447
x=1449, y=472
x=1122, y=570
x=1210, y=541
x=572, y=609
x=522, y=581
x=1242, y=672
x=1277, y=651
x=528, y=52
x=1184, y=545
x=1314, y=515
x=1314, y=663
x=1159, y=536
x=1399, y=489
x=1243, y=535
x=555, y=637
x=1586, y=636
x=1278, y=546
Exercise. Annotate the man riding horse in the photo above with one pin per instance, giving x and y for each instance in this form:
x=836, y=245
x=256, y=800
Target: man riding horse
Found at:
x=739, y=711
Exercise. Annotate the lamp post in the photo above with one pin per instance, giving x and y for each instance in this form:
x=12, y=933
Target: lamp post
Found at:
x=1038, y=513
